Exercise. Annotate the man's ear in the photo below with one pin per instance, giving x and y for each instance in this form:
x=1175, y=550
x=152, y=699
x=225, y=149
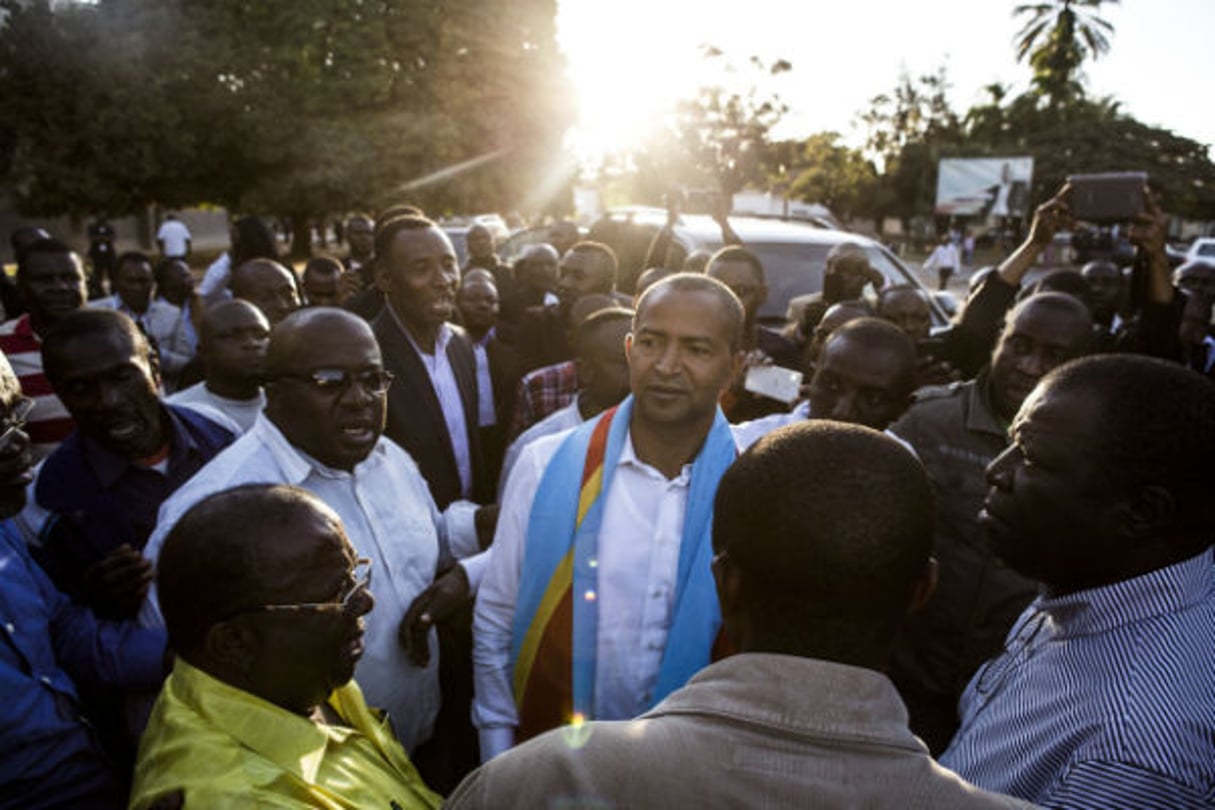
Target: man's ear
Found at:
x=728, y=580
x=232, y=644
x=736, y=364
x=1147, y=512
x=925, y=588
x=154, y=368
x=383, y=279
x=628, y=346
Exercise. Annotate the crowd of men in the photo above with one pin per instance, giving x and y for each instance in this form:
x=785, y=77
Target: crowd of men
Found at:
x=393, y=529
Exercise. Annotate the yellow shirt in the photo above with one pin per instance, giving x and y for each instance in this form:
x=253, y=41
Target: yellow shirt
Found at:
x=227, y=748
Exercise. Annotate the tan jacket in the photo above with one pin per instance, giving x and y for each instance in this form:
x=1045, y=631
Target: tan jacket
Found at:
x=754, y=730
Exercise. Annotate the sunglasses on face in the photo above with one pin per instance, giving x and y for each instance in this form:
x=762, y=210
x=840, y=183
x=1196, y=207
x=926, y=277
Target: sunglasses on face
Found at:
x=338, y=380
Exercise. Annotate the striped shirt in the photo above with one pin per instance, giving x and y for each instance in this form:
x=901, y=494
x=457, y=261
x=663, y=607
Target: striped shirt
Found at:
x=1103, y=698
x=49, y=423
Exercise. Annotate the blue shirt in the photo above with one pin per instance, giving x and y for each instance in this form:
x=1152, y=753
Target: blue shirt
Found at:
x=47, y=753
x=1103, y=698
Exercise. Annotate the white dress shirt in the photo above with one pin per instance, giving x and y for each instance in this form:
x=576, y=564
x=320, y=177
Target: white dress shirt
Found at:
x=443, y=380
x=389, y=516
x=164, y=323
x=486, y=417
x=639, y=543
x=560, y=420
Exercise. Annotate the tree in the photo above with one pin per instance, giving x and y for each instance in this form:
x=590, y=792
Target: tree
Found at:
x=298, y=108
x=724, y=133
x=909, y=130
x=1058, y=36
x=822, y=170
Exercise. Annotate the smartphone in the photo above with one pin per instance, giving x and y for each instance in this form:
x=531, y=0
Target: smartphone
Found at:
x=781, y=384
x=1107, y=198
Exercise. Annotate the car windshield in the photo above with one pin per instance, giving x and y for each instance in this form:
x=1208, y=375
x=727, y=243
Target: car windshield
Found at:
x=794, y=269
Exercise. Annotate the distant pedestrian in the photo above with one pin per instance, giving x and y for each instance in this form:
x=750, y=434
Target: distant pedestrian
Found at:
x=173, y=238
x=944, y=259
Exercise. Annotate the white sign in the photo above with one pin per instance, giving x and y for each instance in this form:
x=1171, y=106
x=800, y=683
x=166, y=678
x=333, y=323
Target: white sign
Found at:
x=984, y=187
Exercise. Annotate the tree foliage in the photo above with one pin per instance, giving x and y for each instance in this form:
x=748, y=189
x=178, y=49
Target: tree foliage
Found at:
x=1058, y=36
x=293, y=107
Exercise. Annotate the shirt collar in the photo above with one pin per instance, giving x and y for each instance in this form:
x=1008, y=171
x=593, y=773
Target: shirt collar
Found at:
x=1163, y=591
x=628, y=458
x=980, y=416
x=297, y=465
x=295, y=744
x=846, y=703
x=486, y=338
x=24, y=329
x=441, y=338
x=108, y=466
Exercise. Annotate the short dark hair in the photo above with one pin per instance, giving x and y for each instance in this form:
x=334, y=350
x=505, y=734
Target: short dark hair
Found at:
x=1068, y=282
x=876, y=333
x=387, y=230
x=737, y=253
x=210, y=565
x=1157, y=420
x=831, y=524
x=695, y=282
x=592, y=324
x=162, y=268
x=132, y=256
x=89, y=323
x=399, y=210
x=46, y=245
x=241, y=274
x=885, y=292
x=254, y=240
x=324, y=265
x=605, y=254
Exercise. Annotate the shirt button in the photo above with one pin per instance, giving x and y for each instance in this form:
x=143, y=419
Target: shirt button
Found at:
x=45, y=679
x=10, y=628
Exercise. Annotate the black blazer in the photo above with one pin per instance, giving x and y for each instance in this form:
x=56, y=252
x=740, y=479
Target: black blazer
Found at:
x=415, y=420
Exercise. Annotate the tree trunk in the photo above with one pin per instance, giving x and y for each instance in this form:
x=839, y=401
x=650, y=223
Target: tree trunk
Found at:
x=301, y=238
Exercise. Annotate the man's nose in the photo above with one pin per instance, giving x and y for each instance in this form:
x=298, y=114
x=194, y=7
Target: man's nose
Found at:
x=999, y=471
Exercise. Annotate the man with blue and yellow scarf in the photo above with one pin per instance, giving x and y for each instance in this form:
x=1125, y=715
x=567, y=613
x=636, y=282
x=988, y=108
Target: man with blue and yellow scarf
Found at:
x=598, y=600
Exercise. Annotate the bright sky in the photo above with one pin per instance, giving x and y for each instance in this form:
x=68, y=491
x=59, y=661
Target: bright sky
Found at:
x=630, y=58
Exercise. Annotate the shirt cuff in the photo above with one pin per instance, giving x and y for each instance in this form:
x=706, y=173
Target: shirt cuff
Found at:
x=495, y=741
x=474, y=568
x=461, y=522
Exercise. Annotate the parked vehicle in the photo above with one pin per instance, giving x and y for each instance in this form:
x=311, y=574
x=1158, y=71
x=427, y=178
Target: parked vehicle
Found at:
x=1203, y=248
x=794, y=254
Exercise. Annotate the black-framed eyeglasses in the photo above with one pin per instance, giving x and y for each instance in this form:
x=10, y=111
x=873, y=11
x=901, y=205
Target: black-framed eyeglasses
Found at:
x=337, y=381
x=361, y=574
x=16, y=419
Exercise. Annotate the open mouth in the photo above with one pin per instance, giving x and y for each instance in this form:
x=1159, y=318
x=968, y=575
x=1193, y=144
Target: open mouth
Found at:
x=360, y=433
x=124, y=430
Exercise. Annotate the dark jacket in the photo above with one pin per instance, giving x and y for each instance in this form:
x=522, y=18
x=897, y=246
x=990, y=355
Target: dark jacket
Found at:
x=86, y=523
x=415, y=418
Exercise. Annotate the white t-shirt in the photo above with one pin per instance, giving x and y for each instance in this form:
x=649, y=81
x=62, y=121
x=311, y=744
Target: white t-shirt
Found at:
x=174, y=236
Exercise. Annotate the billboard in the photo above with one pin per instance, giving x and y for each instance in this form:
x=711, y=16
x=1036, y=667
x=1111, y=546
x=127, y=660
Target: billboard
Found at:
x=984, y=187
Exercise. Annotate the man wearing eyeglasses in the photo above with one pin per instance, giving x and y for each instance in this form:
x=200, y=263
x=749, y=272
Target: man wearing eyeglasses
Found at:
x=265, y=601
x=48, y=644
x=322, y=431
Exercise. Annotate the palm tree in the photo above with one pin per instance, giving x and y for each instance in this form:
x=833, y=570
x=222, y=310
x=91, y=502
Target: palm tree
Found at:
x=1058, y=37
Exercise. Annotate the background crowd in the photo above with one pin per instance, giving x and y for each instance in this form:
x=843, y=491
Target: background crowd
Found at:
x=339, y=537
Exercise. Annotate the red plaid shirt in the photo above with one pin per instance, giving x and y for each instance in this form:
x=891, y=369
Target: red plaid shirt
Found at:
x=542, y=392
